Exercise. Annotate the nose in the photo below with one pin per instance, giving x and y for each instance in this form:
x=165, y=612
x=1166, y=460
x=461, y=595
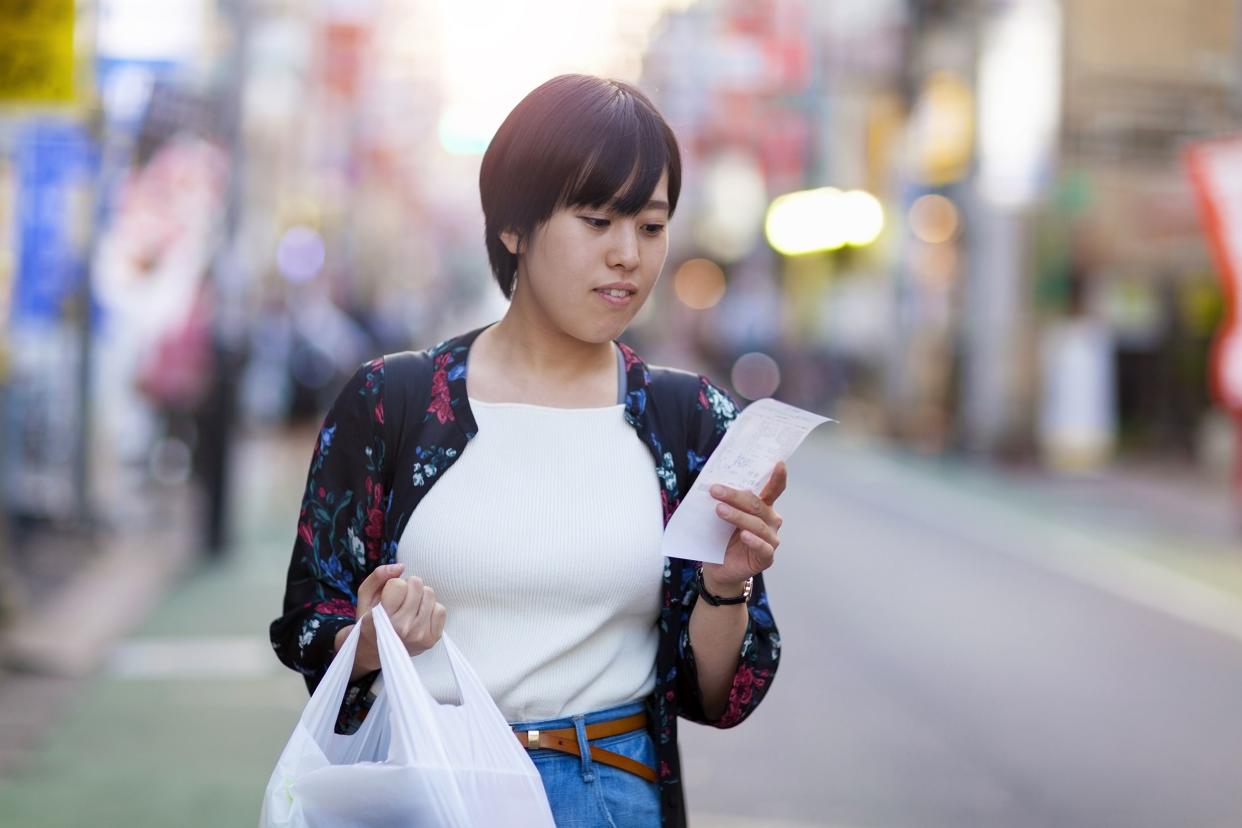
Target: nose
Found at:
x=623, y=252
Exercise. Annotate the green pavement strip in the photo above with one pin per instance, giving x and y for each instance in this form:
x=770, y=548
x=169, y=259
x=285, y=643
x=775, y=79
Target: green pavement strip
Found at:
x=156, y=753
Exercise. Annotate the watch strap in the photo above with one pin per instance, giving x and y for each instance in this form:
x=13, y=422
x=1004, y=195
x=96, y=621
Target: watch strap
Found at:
x=716, y=600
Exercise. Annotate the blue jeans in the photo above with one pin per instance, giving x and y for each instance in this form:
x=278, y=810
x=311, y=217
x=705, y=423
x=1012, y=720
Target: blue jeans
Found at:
x=586, y=794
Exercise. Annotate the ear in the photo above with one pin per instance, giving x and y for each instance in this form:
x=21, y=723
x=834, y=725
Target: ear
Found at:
x=512, y=242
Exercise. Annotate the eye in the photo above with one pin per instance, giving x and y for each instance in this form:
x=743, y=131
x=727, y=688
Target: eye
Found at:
x=597, y=223
x=653, y=229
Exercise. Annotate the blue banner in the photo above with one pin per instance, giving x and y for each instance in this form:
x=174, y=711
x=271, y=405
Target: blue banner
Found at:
x=54, y=160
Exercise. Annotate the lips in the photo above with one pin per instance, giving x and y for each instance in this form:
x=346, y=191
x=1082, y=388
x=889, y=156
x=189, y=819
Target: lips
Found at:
x=622, y=299
x=617, y=289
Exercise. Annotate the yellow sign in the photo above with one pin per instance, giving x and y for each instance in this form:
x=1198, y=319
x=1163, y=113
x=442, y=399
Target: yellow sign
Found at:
x=36, y=51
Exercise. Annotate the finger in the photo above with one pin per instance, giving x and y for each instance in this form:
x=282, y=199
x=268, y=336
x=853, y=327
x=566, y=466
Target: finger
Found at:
x=438, y=616
x=420, y=627
x=743, y=499
x=372, y=584
x=426, y=605
x=746, y=521
x=393, y=597
x=404, y=620
x=776, y=483
x=763, y=553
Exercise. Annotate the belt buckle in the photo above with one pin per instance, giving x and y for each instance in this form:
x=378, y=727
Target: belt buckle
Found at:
x=532, y=739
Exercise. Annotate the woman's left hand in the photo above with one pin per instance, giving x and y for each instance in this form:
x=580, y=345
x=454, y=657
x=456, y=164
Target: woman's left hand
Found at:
x=752, y=547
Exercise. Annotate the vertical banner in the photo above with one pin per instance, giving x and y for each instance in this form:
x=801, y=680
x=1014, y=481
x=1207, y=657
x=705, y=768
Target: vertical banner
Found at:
x=1216, y=173
x=56, y=164
x=55, y=171
x=36, y=51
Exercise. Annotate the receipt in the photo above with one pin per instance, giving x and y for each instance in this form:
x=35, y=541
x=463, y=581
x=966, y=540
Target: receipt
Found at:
x=765, y=432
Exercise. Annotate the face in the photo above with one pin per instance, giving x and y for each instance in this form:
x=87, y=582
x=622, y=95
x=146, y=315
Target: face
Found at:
x=579, y=253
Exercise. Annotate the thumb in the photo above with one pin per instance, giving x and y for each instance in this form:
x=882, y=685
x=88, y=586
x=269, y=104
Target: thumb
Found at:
x=373, y=583
x=775, y=485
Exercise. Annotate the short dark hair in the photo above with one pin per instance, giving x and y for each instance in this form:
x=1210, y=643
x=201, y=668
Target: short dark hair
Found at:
x=574, y=140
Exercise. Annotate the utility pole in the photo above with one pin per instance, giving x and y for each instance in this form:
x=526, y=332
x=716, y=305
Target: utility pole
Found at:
x=228, y=283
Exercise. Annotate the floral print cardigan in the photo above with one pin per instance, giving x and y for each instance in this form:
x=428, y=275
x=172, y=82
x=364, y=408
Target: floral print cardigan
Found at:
x=394, y=430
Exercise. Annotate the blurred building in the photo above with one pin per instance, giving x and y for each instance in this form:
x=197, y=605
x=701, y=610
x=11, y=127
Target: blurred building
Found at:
x=1138, y=89
x=1042, y=287
x=210, y=197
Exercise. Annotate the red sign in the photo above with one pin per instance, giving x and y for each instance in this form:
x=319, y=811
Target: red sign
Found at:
x=1216, y=173
x=344, y=48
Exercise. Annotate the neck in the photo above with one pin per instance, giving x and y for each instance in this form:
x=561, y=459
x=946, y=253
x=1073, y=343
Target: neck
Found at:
x=536, y=347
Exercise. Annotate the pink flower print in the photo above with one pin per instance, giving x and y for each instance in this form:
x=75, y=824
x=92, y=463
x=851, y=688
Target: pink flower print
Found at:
x=374, y=530
x=336, y=606
x=631, y=358
x=379, y=412
x=440, y=405
x=304, y=532
x=742, y=693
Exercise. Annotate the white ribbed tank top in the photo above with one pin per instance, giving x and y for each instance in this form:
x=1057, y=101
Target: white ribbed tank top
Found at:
x=542, y=541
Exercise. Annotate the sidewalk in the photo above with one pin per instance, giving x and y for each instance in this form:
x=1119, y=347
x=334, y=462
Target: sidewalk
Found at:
x=182, y=722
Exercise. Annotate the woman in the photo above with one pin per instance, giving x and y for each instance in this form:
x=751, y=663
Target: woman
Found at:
x=540, y=552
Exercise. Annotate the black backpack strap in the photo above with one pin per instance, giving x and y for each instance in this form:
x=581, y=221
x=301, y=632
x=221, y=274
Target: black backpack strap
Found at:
x=674, y=395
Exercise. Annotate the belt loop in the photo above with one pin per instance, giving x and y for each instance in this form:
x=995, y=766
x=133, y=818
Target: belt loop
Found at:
x=584, y=749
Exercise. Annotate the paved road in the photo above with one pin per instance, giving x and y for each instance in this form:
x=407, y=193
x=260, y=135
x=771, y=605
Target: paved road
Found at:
x=951, y=659
x=955, y=655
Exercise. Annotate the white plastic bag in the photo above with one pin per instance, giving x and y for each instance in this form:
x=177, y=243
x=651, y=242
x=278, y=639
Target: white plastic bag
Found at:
x=414, y=763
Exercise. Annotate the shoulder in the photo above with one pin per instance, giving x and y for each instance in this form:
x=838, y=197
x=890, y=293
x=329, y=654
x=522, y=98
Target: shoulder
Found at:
x=696, y=390
x=411, y=370
x=704, y=407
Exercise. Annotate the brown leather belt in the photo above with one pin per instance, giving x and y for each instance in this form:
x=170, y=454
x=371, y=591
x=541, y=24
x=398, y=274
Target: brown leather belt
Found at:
x=566, y=741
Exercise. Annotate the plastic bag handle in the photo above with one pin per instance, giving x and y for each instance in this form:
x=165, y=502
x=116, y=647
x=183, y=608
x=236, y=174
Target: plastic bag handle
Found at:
x=416, y=736
x=319, y=715
x=473, y=692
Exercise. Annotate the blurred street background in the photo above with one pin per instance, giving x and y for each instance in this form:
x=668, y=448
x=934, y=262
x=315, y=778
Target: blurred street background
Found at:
x=1000, y=241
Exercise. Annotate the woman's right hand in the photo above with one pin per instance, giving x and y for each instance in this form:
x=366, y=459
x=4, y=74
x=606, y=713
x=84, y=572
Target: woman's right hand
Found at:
x=411, y=607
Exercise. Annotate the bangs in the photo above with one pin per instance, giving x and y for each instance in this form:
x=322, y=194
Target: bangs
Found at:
x=621, y=172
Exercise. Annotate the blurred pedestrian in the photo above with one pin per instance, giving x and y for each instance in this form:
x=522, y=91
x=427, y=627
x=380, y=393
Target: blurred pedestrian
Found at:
x=541, y=551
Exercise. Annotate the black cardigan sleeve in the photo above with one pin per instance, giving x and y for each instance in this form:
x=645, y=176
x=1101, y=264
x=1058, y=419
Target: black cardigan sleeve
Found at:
x=714, y=411
x=340, y=530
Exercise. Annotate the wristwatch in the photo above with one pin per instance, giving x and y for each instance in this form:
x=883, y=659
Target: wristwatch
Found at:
x=716, y=600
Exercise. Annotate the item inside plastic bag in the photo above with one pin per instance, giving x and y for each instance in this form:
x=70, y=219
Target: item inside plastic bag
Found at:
x=413, y=763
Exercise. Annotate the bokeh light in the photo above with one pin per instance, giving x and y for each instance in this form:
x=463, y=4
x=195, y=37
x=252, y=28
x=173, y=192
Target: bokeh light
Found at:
x=862, y=217
x=699, y=283
x=934, y=219
x=756, y=375
x=810, y=221
x=300, y=253
x=805, y=222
